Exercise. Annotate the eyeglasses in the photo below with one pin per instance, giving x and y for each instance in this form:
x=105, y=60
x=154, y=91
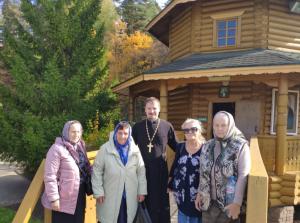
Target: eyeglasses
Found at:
x=191, y=130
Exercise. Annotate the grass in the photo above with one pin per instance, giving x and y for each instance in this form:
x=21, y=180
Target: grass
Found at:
x=7, y=215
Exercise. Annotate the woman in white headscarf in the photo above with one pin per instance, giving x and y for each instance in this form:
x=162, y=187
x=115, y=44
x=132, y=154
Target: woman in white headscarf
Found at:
x=66, y=170
x=224, y=166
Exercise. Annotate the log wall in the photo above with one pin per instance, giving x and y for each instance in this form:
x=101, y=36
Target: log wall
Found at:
x=180, y=34
x=284, y=190
x=204, y=95
x=191, y=31
x=209, y=8
x=179, y=106
x=284, y=27
x=264, y=24
x=196, y=100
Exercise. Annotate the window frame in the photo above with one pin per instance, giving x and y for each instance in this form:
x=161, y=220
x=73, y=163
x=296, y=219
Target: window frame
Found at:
x=226, y=30
x=274, y=112
x=225, y=16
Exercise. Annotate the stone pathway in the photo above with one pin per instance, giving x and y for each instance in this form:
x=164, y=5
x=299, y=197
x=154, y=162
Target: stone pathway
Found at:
x=12, y=185
x=174, y=209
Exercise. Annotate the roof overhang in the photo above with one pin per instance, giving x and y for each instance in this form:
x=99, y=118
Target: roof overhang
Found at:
x=159, y=25
x=224, y=72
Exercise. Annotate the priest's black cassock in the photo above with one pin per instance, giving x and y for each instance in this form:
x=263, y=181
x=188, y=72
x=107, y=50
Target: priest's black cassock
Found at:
x=156, y=166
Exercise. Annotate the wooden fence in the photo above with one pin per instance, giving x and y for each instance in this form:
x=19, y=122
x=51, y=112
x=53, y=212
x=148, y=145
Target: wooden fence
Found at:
x=36, y=189
x=267, y=146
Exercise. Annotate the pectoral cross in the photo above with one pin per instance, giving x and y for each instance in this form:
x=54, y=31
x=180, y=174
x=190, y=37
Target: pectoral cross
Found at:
x=150, y=146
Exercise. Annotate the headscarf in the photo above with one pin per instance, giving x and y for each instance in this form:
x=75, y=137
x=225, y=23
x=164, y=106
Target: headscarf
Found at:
x=65, y=132
x=232, y=132
x=122, y=149
x=75, y=149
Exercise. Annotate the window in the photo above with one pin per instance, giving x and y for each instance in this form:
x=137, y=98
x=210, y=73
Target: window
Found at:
x=292, y=116
x=226, y=32
x=227, y=29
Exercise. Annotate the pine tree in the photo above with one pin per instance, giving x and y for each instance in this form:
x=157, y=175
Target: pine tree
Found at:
x=137, y=13
x=56, y=58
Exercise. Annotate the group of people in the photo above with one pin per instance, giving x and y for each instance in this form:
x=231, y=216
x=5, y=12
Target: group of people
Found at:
x=132, y=167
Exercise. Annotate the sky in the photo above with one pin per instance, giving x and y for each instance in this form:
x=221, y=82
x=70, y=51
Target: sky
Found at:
x=161, y=3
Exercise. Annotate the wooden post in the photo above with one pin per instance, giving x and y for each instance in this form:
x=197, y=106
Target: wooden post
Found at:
x=131, y=106
x=258, y=182
x=90, y=210
x=164, y=115
x=163, y=100
x=281, y=129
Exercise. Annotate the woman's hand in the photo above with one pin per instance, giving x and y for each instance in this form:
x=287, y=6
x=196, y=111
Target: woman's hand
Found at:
x=198, y=202
x=100, y=199
x=141, y=198
x=233, y=210
x=55, y=205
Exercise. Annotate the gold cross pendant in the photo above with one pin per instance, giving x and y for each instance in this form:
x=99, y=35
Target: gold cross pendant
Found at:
x=150, y=147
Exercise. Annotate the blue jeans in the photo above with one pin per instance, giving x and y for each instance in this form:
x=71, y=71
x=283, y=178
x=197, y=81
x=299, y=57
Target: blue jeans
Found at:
x=182, y=218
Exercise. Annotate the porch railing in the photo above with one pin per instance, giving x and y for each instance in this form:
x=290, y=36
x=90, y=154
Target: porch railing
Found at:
x=267, y=146
x=34, y=192
x=293, y=153
x=257, y=196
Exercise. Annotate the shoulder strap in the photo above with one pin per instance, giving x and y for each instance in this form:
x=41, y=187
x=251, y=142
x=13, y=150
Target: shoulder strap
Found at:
x=80, y=169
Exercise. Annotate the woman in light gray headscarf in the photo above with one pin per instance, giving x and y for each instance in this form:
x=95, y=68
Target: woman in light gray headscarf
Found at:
x=66, y=171
x=224, y=166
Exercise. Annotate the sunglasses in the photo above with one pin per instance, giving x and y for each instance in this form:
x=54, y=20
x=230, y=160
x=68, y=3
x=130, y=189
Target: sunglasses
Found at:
x=191, y=130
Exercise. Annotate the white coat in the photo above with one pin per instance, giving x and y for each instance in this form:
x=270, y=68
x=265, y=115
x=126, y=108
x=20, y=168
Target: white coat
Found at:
x=109, y=177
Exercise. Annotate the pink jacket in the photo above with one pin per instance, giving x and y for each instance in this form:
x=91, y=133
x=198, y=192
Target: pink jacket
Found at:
x=61, y=178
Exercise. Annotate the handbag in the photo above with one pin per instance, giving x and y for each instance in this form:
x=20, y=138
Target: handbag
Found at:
x=88, y=185
x=142, y=214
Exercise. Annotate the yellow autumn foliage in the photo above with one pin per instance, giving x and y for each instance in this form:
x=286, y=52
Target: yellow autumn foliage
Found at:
x=138, y=40
x=130, y=55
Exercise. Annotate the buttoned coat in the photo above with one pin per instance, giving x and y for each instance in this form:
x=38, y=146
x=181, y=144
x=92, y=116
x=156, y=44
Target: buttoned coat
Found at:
x=110, y=177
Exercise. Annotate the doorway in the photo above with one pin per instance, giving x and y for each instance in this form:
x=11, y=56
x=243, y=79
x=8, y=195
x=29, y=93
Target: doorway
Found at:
x=228, y=107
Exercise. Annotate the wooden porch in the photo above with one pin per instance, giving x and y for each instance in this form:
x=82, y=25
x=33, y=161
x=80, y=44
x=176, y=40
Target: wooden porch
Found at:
x=284, y=189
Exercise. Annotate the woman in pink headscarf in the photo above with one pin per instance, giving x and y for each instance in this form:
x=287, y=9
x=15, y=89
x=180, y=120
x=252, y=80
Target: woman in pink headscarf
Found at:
x=66, y=170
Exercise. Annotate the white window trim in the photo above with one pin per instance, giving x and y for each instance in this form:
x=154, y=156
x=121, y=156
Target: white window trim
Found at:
x=227, y=15
x=273, y=112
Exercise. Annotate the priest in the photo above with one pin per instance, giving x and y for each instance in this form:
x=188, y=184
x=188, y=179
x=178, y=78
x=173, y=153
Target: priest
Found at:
x=152, y=136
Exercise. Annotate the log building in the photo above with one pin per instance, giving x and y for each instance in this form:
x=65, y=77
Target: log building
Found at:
x=242, y=56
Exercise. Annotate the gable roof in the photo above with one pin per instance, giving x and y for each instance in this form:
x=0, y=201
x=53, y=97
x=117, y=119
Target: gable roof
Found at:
x=158, y=26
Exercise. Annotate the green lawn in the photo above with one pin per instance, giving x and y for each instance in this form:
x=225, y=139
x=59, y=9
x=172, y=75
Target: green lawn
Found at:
x=7, y=215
